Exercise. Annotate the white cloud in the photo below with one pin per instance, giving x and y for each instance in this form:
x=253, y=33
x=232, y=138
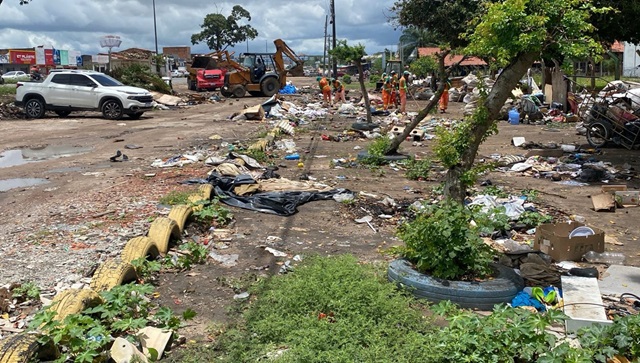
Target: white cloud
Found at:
x=79, y=24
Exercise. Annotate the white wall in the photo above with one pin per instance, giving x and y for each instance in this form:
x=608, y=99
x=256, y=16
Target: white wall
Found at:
x=631, y=61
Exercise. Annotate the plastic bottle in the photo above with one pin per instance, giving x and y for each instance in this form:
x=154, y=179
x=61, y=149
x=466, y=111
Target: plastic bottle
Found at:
x=610, y=258
x=295, y=156
x=514, y=116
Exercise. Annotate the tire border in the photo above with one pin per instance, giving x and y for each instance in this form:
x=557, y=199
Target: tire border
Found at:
x=481, y=295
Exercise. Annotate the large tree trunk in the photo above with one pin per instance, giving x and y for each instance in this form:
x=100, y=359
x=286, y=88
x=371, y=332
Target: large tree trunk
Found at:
x=365, y=93
x=506, y=82
x=443, y=74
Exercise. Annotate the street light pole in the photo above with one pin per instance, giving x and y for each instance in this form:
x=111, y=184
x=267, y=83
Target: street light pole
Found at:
x=333, y=33
x=155, y=33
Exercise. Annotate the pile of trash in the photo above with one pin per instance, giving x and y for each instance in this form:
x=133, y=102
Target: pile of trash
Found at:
x=10, y=111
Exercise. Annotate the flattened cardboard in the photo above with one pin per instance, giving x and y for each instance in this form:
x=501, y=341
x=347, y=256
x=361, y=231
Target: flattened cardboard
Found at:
x=603, y=202
x=254, y=113
x=613, y=188
x=553, y=239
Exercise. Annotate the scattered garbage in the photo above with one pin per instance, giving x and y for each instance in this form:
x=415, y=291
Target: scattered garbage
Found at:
x=225, y=260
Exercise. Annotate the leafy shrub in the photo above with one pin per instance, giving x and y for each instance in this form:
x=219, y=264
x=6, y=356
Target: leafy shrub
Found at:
x=417, y=169
x=534, y=219
x=175, y=197
x=138, y=75
x=442, y=242
x=346, y=79
x=213, y=211
x=376, y=151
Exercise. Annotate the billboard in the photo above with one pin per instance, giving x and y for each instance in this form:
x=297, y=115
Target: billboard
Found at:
x=22, y=56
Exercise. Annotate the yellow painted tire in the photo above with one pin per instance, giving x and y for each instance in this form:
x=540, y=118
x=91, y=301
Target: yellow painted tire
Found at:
x=180, y=214
x=74, y=301
x=24, y=348
x=139, y=247
x=162, y=230
x=203, y=194
x=113, y=272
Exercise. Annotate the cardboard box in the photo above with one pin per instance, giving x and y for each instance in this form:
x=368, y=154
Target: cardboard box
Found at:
x=603, y=202
x=628, y=198
x=553, y=239
x=613, y=188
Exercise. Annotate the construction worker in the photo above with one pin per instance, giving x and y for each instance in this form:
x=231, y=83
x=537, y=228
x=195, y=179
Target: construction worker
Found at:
x=326, y=90
x=402, y=88
x=393, y=101
x=338, y=91
x=444, y=99
x=387, y=89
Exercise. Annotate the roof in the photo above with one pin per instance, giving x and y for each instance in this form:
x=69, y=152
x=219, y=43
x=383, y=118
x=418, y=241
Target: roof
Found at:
x=617, y=47
x=451, y=59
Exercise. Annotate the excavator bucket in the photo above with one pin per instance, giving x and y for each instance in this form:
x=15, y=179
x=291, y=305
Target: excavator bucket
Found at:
x=296, y=71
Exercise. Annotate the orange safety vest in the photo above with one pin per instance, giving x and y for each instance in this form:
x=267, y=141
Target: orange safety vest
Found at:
x=323, y=82
x=403, y=84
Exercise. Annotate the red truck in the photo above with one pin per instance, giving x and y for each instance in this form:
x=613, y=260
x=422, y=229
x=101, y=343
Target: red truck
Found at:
x=204, y=74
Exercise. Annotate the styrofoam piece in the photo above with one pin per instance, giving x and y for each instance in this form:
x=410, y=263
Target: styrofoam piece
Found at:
x=582, y=302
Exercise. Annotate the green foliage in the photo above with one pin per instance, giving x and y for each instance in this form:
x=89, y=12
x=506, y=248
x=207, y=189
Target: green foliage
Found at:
x=86, y=337
x=376, y=151
x=213, y=212
x=191, y=253
x=220, y=32
x=139, y=75
x=417, y=169
x=442, y=242
x=146, y=269
x=496, y=191
x=423, y=66
x=26, y=291
x=534, y=219
x=346, y=79
x=175, y=197
x=7, y=90
x=257, y=154
x=413, y=38
x=531, y=194
x=494, y=220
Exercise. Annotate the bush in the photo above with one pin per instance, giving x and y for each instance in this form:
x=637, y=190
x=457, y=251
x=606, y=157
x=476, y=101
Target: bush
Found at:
x=138, y=75
x=442, y=242
x=376, y=151
x=418, y=169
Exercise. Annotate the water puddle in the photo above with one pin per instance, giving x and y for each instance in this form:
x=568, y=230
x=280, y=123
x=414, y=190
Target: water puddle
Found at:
x=27, y=155
x=8, y=184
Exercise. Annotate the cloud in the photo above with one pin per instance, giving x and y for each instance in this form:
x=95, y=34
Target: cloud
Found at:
x=79, y=24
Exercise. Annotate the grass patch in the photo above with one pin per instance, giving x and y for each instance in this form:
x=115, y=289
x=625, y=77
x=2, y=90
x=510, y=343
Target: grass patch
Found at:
x=7, y=89
x=176, y=197
x=417, y=169
x=376, y=151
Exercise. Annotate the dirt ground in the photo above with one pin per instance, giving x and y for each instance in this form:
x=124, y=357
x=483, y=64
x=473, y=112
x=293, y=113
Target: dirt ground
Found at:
x=87, y=207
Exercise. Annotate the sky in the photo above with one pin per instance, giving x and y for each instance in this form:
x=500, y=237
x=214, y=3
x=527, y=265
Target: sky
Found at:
x=79, y=24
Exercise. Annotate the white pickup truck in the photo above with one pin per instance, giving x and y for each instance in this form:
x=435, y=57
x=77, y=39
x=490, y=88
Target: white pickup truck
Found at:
x=64, y=91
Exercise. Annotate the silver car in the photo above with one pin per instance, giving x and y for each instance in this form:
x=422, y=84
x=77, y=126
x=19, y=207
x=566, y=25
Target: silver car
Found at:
x=15, y=76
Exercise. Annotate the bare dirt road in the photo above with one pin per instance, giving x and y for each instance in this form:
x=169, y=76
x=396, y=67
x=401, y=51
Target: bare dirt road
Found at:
x=85, y=207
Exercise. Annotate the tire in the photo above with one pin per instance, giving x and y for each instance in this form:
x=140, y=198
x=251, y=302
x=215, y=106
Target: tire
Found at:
x=269, y=86
x=162, y=231
x=238, y=91
x=395, y=157
x=202, y=195
x=63, y=113
x=34, y=108
x=139, y=247
x=112, y=109
x=135, y=115
x=24, y=348
x=74, y=301
x=225, y=92
x=479, y=295
x=180, y=214
x=113, y=272
x=599, y=133
x=191, y=84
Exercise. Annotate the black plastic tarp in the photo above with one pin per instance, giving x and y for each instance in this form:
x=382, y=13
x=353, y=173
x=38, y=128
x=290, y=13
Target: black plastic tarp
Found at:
x=280, y=203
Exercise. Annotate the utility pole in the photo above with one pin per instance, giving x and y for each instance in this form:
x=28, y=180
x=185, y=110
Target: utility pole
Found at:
x=155, y=32
x=333, y=34
x=324, y=54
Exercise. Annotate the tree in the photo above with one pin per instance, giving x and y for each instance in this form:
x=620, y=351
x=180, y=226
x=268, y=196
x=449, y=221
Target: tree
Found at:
x=354, y=54
x=513, y=34
x=621, y=24
x=424, y=66
x=413, y=38
x=220, y=32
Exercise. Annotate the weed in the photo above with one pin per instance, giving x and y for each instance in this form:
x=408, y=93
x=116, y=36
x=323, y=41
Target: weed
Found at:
x=417, y=169
x=27, y=291
x=7, y=90
x=146, y=269
x=257, y=154
x=531, y=194
x=376, y=151
x=496, y=191
x=213, y=211
x=534, y=219
x=175, y=197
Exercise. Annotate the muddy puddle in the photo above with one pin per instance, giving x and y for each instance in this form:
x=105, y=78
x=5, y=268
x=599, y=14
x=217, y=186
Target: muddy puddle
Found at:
x=8, y=184
x=22, y=156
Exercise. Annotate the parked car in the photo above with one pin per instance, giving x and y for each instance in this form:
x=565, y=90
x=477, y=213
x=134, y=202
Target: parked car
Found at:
x=176, y=73
x=15, y=76
x=64, y=91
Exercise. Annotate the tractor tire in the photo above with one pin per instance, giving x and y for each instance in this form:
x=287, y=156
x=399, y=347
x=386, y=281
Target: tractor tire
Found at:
x=139, y=247
x=225, y=92
x=113, y=272
x=599, y=133
x=180, y=214
x=74, y=301
x=238, y=91
x=270, y=86
x=24, y=348
x=191, y=84
x=162, y=231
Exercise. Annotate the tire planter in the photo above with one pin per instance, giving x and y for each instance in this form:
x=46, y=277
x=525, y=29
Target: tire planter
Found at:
x=113, y=272
x=24, y=348
x=74, y=301
x=481, y=295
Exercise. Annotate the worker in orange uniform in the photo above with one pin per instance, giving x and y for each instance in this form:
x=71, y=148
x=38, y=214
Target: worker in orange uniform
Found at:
x=393, y=101
x=338, y=91
x=387, y=89
x=444, y=99
x=402, y=89
x=326, y=89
